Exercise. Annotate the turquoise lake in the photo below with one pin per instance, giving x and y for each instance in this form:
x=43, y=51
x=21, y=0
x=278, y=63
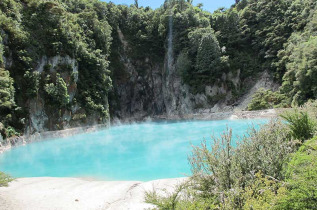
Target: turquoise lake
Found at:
x=143, y=151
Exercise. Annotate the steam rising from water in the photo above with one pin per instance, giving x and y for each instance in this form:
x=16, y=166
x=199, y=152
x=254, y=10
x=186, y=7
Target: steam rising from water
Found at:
x=145, y=151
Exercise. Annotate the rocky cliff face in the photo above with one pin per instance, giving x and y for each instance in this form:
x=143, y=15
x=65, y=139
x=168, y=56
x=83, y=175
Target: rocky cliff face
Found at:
x=143, y=88
x=146, y=88
x=43, y=117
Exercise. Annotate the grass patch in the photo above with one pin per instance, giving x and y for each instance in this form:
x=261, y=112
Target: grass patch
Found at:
x=301, y=125
x=5, y=179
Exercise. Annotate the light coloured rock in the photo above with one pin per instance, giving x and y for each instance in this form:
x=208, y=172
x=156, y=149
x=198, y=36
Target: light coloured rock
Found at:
x=235, y=79
x=57, y=60
x=74, y=193
x=38, y=117
x=265, y=82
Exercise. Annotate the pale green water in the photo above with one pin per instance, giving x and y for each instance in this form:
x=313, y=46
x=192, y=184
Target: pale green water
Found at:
x=144, y=151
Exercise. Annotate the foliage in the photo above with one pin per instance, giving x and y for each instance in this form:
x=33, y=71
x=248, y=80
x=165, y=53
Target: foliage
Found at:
x=263, y=193
x=299, y=59
x=5, y=179
x=267, y=99
x=10, y=131
x=57, y=91
x=208, y=56
x=301, y=179
x=265, y=150
x=181, y=198
x=213, y=168
x=195, y=38
x=300, y=78
x=78, y=30
x=237, y=177
x=301, y=125
x=311, y=108
x=32, y=85
x=7, y=96
x=1, y=52
x=6, y=91
x=166, y=202
x=250, y=37
x=266, y=170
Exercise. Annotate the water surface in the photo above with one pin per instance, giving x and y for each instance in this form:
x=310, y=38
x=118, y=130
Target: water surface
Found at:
x=144, y=151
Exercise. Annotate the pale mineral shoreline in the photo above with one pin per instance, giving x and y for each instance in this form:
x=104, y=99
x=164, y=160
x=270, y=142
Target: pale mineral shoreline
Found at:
x=48, y=193
x=231, y=115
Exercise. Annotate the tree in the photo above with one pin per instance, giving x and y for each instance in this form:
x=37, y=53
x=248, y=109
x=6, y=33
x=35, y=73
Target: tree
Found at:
x=190, y=1
x=32, y=80
x=58, y=92
x=6, y=92
x=183, y=66
x=208, y=57
x=1, y=52
x=195, y=38
x=300, y=60
x=200, y=5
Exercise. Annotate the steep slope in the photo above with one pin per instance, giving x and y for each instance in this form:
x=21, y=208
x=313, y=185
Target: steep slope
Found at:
x=69, y=63
x=56, y=54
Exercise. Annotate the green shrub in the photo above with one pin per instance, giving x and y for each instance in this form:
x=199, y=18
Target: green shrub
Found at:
x=183, y=197
x=230, y=177
x=301, y=179
x=266, y=99
x=265, y=150
x=213, y=168
x=165, y=202
x=301, y=125
x=5, y=179
x=32, y=83
x=57, y=92
x=7, y=92
x=264, y=193
x=10, y=131
x=311, y=108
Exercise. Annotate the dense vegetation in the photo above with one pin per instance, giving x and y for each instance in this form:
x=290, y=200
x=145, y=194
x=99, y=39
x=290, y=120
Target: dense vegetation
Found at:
x=33, y=29
x=251, y=37
x=272, y=168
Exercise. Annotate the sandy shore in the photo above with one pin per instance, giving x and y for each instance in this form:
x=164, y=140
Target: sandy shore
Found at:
x=75, y=193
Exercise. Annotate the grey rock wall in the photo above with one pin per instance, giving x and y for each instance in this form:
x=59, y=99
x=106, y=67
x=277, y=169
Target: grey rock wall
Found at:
x=41, y=117
x=151, y=88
